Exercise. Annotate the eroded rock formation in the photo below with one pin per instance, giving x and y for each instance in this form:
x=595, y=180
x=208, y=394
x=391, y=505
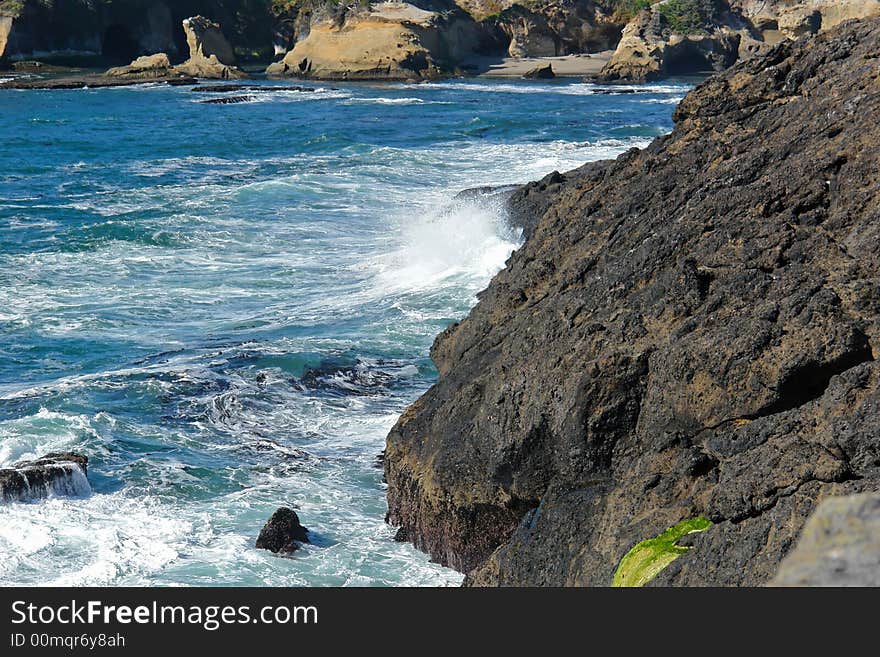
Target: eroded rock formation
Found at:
x=389, y=41
x=210, y=55
x=691, y=330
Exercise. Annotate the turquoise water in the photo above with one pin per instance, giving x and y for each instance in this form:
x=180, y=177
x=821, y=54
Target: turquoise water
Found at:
x=226, y=307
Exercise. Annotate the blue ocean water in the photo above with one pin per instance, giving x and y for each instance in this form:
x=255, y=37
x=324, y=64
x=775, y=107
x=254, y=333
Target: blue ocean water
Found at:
x=226, y=307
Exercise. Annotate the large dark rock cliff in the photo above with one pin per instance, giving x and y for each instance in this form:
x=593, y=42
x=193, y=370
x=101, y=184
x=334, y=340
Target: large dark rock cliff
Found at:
x=690, y=330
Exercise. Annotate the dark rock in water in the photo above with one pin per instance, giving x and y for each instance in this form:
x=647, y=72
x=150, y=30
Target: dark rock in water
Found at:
x=402, y=536
x=30, y=66
x=706, y=310
x=840, y=545
x=93, y=82
x=61, y=474
x=227, y=100
x=540, y=73
x=282, y=532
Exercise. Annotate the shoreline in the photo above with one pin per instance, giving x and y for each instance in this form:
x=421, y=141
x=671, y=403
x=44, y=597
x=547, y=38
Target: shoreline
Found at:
x=564, y=66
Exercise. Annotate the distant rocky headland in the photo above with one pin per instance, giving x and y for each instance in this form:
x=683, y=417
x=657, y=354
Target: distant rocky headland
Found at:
x=420, y=39
x=679, y=364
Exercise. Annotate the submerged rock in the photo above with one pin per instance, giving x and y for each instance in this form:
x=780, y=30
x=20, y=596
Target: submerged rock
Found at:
x=840, y=545
x=689, y=331
x=62, y=474
x=282, y=532
x=227, y=100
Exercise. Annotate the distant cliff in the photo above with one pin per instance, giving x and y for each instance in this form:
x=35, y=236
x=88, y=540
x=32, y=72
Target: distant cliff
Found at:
x=678, y=37
x=686, y=340
x=124, y=29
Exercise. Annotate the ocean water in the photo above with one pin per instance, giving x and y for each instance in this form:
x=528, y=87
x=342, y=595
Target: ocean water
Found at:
x=226, y=308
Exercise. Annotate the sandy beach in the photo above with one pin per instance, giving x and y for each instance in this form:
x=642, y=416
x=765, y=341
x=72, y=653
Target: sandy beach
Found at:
x=563, y=66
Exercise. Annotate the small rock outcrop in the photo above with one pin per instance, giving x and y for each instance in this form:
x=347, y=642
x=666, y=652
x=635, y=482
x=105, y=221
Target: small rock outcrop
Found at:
x=210, y=55
x=690, y=331
x=840, y=545
x=62, y=474
x=146, y=67
x=282, y=532
x=540, y=72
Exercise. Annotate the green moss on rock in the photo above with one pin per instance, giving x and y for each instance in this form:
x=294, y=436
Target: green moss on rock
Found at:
x=645, y=561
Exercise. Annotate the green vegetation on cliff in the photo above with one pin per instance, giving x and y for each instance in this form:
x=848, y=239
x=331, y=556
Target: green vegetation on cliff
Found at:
x=688, y=16
x=645, y=561
x=11, y=7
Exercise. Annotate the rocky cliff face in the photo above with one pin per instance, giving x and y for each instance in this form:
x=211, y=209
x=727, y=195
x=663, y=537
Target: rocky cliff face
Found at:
x=690, y=330
x=558, y=27
x=676, y=37
x=389, y=41
x=124, y=29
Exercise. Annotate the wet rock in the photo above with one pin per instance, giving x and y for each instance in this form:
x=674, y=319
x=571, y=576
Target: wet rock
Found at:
x=706, y=310
x=227, y=100
x=61, y=474
x=840, y=545
x=540, y=72
x=282, y=532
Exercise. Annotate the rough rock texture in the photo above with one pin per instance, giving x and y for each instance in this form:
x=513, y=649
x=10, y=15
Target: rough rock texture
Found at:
x=388, y=41
x=282, y=532
x=53, y=474
x=840, y=546
x=146, y=67
x=210, y=55
x=690, y=330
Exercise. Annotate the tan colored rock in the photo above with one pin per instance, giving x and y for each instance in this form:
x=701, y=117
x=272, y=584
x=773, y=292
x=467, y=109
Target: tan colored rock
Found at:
x=390, y=41
x=148, y=66
x=210, y=55
x=648, y=50
x=5, y=29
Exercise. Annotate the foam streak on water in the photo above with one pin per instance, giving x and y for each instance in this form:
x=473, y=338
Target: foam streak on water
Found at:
x=227, y=307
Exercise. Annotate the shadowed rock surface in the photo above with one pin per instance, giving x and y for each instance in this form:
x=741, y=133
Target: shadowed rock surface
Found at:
x=54, y=474
x=690, y=330
x=840, y=546
x=282, y=532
